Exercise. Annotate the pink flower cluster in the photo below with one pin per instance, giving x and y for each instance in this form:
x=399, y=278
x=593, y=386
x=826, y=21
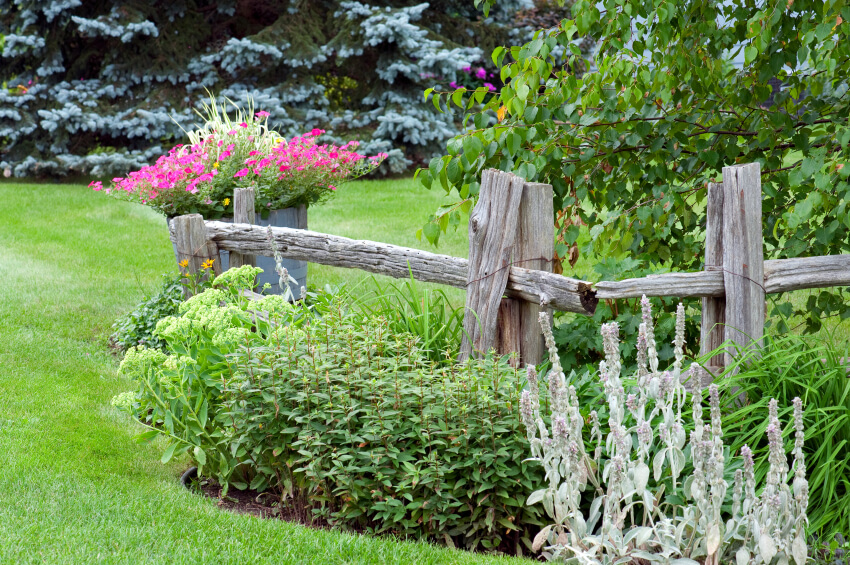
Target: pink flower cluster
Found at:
x=180, y=169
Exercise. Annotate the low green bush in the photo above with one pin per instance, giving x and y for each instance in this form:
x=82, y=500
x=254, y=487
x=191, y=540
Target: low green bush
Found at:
x=331, y=407
x=137, y=326
x=817, y=372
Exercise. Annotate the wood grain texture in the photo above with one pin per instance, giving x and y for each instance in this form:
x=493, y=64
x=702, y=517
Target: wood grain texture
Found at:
x=509, y=328
x=535, y=246
x=682, y=285
x=743, y=255
x=189, y=235
x=781, y=275
x=492, y=234
x=713, y=307
x=243, y=213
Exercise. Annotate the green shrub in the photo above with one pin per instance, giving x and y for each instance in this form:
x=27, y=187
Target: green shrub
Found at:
x=817, y=372
x=137, y=326
x=332, y=407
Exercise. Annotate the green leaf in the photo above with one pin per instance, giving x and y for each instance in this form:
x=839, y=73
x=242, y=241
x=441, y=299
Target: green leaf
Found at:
x=169, y=453
x=200, y=456
x=750, y=54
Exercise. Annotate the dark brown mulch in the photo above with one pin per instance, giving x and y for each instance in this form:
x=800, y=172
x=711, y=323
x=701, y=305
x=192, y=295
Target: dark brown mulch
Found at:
x=261, y=504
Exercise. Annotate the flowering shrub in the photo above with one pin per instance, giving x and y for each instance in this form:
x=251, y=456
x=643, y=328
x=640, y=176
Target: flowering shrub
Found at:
x=330, y=409
x=227, y=153
x=641, y=507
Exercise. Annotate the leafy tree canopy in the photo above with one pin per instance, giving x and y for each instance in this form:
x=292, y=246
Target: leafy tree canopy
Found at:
x=630, y=145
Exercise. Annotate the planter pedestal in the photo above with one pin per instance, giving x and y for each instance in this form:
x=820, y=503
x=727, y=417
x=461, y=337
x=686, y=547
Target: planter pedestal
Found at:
x=285, y=218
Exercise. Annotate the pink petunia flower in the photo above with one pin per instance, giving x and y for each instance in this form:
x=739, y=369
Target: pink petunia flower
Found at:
x=241, y=173
x=243, y=125
x=490, y=87
x=262, y=114
x=481, y=73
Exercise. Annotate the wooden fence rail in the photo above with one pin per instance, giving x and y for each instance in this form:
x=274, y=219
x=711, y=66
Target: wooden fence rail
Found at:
x=511, y=225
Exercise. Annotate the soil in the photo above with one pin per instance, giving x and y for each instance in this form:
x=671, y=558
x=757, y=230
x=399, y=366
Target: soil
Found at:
x=260, y=504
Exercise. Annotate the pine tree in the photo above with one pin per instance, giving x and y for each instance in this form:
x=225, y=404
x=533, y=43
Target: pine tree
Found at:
x=101, y=87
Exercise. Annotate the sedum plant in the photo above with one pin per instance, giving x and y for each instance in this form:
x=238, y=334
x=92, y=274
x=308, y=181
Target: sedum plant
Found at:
x=609, y=506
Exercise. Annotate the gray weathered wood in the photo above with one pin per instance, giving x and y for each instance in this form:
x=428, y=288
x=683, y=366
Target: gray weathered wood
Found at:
x=535, y=246
x=743, y=255
x=682, y=285
x=781, y=275
x=243, y=213
x=190, y=238
x=713, y=307
x=492, y=234
x=509, y=329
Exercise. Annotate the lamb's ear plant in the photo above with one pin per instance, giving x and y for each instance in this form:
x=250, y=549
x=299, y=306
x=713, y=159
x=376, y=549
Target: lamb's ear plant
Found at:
x=629, y=500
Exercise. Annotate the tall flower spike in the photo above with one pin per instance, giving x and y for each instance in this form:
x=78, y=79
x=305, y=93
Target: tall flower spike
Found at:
x=679, y=340
x=651, y=352
x=641, y=353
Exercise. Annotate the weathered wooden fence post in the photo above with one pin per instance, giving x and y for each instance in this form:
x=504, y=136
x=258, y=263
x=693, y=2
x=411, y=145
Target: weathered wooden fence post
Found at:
x=534, y=248
x=743, y=255
x=492, y=234
x=712, y=331
x=243, y=213
x=190, y=237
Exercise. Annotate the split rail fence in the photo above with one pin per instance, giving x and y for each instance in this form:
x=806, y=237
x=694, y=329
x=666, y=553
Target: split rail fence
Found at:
x=508, y=276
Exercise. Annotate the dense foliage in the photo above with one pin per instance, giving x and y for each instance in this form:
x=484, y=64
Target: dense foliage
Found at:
x=103, y=87
x=137, y=326
x=817, y=372
x=643, y=504
x=334, y=408
x=630, y=144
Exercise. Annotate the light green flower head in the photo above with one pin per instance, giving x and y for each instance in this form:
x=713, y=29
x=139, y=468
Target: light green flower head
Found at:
x=235, y=280
x=210, y=298
x=138, y=360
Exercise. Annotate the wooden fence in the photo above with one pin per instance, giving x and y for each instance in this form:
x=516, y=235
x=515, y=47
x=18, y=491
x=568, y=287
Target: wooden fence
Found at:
x=508, y=276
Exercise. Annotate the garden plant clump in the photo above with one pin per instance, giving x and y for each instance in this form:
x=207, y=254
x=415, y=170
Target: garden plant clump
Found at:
x=328, y=407
x=631, y=499
x=226, y=153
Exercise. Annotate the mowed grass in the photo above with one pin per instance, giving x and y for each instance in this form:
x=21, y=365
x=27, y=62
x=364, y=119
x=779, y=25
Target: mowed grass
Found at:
x=74, y=486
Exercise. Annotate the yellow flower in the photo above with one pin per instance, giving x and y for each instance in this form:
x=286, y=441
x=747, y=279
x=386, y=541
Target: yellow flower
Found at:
x=226, y=201
x=207, y=264
x=215, y=165
x=184, y=263
x=278, y=140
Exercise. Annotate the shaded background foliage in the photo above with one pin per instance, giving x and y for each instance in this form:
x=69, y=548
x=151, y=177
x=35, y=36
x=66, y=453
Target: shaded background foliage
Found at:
x=102, y=87
x=630, y=144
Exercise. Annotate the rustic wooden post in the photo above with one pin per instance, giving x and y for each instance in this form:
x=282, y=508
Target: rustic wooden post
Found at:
x=492, y=233
x=243, y=213
x=743, y=255
x=190, y=237
x=519, y=323
x=712, y=332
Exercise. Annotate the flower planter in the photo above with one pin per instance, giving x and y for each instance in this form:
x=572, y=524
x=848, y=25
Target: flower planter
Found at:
x=285, y=218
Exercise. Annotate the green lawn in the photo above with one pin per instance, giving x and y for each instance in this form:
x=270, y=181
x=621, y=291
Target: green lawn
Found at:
x=74, y=487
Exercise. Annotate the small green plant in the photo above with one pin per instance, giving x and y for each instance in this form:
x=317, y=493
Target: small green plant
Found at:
x=137, y=326
x=424, y=313
x=628, y=517
x=815, y=370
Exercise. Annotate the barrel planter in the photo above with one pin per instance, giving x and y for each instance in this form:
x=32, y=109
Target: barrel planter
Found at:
x=286, y=218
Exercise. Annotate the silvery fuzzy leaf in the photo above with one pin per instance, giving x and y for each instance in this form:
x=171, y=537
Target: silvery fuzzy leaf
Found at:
x=641, y=477
x=563, y=539
x=742, y=557
x=767, y=547
x=648, y=500
x=713, y=539
x=677, y=461
x=640, y=535
x=540, y=539
x=594, y=514
x=684, y=561
x=799, y=550
x=783, y=560
x=658, y=464
x=579, y=526
x=641, y=554
x=536, y=496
